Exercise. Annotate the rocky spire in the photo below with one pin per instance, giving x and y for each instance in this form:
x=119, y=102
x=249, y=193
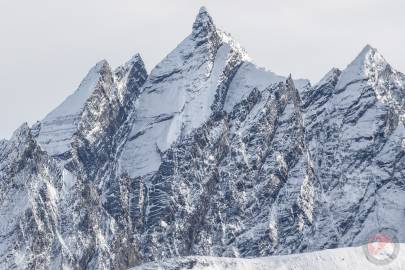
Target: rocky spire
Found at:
x=21, y=133
x=203, y=24
x=130, y=77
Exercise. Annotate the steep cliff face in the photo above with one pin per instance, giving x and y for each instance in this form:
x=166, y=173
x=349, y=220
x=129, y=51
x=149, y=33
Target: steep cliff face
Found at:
x=355, y=133
x=206, y=155
x=221, y=190
x=31, y=183
x=52, y=219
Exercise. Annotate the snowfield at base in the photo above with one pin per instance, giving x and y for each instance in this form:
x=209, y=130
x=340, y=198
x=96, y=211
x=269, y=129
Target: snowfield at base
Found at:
x=333, y=259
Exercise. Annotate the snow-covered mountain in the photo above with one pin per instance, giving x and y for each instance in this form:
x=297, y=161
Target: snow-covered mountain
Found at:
x=206, y=155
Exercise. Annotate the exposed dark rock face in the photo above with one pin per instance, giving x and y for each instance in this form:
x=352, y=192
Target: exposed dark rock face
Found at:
x=206, y=155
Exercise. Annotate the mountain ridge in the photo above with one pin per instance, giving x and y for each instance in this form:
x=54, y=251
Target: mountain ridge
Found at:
x=205, y=155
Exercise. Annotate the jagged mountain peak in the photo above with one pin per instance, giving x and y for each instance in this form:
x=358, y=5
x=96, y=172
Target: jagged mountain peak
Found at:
x=74, y=103
x=130, y=76
x=370, y=70
x=22, y=132
x=368, y=62
x=331, y=77
x=101, y=65
x=13, y=149
x=363, y=54
x=369, y=56
x=368, y=48
x=192, y=81
x=203, y=24
x=136, y=58
x=58, y=127
x=290, y=82
x=201, y=46
x=204, y=29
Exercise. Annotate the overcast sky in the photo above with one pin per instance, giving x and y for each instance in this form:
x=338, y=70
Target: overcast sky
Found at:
x=47, y=46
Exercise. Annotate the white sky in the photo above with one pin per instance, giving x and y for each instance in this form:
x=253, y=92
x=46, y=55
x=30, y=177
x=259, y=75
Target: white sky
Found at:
x=47, y=46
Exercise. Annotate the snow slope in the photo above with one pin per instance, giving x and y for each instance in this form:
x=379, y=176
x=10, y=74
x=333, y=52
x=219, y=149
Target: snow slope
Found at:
x=180, y=93
x=101, y=94
x=334, y=259
x=58, y=127
x=207, y=72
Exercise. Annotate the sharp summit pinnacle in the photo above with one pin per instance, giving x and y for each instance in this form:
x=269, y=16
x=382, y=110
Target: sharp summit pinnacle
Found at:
x=203, y=24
